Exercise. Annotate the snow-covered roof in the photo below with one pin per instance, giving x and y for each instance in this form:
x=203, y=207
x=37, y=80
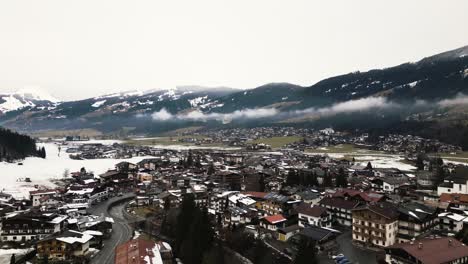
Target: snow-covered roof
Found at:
x=79, y=238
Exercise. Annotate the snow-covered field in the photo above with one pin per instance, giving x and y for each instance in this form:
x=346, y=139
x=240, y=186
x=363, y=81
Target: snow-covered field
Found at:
x=5, y=254
x=41, y=171
x=378, y=160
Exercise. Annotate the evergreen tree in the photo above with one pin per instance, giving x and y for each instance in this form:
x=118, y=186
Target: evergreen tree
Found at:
x=184, y=220
x=189, y=162
x=262, y=254
x=292, y=178
x=211, y=169
x=215, y=255
x=420, y=162
x=313, y=179
x=261, y=183
x=13, y=259
x=341, y=180
x=306, y=253
x=45, y=259
x=327, y=180
x=369, y=166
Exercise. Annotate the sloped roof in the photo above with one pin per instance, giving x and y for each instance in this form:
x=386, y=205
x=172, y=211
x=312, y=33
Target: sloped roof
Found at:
x=434, y=251
x=307, y=209
x=275, y=219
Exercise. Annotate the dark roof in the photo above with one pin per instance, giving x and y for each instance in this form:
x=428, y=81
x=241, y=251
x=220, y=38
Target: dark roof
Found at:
x=339, y=203
x=308, y=209
x=433, y=251
x=384, y=209
x=460, y=175
x=289, y=229
x=416, y=212
x=315, y=233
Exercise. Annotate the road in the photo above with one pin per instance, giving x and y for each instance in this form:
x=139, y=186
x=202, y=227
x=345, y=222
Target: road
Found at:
x=121, y=230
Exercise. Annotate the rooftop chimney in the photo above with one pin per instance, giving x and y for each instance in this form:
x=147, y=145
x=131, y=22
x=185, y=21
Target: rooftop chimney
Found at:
x=450, y=242
x=420, y=245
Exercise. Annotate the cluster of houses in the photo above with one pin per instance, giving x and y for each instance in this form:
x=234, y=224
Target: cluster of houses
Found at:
x=384, y=209
x=114, y=151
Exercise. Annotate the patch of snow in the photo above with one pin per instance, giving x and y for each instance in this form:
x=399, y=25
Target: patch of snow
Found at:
x=99, y=103
x=198, y=101
x=12, y=103
x=148, y=102
x=413, y=84
x=413, y=215
x=37, y=94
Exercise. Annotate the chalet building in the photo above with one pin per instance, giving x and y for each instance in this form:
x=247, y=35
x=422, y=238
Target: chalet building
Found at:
x=149, y=164
x=324, y=239
x=359, y=196
x=311, y=197
x=375, y=225
x=31, y=226
x=415, y=220
x=67, y=246
x=455, y=183
x=275, y=203
x=309, y=215
x=457, y=202
x=452, y=222
x=140, y=251
x=125, y=166
x=230, y=179
x=116, y=177
x=273, y=222
x=237, y=215
x=284, y=234
x=429, y=250
x=35, y=196
x=170, y=198
x=340, y=209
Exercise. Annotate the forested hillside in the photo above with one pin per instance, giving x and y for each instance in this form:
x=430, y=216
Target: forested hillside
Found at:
x=14, y=146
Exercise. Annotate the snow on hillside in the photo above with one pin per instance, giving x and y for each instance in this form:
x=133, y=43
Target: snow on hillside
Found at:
x=12, y=103
x=25, y=98
x=36, y=94
x=99, y=103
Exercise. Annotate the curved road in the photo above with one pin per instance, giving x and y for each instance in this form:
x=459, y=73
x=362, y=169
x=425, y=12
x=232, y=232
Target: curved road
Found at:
x=121, y=230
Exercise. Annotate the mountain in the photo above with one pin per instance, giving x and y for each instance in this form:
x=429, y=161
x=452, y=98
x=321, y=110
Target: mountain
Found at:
x=26, y=98
x=415, y=87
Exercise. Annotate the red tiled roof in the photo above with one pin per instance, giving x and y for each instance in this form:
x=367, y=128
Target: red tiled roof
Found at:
x=339, y=203
x=368, y=197
x=42, y=192
x=259, y=195
x=274, y=219
x=434, y=251
x=454, y=198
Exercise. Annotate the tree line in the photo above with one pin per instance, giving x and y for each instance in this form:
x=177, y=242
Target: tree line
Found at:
x=15, y=146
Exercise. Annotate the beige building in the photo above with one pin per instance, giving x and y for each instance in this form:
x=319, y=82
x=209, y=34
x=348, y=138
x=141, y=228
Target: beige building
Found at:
x=375, y=225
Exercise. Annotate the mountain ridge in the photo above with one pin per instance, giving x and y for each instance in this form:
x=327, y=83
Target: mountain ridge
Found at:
x=438, y=77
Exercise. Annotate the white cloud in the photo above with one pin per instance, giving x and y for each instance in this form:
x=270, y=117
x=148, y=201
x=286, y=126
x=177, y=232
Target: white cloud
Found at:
x=162, y=115
x=358, y=105
x=460, y=99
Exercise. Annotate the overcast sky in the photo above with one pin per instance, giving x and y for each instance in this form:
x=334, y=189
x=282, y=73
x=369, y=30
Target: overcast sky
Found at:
x=79, y=49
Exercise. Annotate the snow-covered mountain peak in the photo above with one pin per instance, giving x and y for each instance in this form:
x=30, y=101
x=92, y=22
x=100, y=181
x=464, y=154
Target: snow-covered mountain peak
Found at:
x=35, y=94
